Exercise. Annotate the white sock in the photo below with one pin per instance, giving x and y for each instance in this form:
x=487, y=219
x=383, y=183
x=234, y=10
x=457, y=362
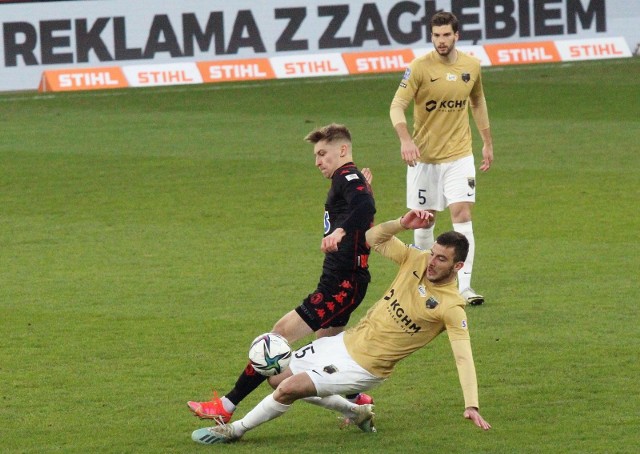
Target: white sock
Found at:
x=266, y=410
x=464, y=275
x=227, y=404
x=336, y=403
x=423, y=238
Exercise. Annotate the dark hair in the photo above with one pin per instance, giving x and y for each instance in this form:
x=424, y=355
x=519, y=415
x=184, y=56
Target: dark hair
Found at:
x=457, y=241
x=329, y=133
x=445, y=18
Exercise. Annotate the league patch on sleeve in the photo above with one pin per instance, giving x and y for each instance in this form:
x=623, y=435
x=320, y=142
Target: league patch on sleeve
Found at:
x=415, y=246
x=405, y=78
x=352, y=176
x=464, y=324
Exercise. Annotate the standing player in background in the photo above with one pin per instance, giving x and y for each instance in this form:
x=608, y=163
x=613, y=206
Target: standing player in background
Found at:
x=349, y=211
x=441, y=171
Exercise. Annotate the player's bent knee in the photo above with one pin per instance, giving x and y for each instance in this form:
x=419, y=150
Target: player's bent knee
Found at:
x=285, y=393
x=292, y=327
x=293, y=388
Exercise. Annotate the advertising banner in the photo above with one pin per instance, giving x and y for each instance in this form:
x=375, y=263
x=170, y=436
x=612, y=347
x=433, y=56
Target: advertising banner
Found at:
x=235, y=40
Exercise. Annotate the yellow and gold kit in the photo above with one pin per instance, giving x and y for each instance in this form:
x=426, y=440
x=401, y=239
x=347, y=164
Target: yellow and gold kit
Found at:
x=442, y=93
x=412, y=312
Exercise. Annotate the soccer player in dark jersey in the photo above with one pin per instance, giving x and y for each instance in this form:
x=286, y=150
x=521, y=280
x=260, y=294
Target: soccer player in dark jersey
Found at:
x=349, y=211
x=421, y=303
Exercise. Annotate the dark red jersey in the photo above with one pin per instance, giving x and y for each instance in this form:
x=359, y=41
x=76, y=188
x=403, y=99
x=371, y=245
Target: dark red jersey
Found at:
x=349, y=205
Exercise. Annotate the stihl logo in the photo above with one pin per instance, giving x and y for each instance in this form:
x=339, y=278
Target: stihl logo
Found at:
x=164, y=77
x=82, y=79
x=232, y=70
x=513, y=54
x=595, y=50
x=301, y=68
x=377, y=62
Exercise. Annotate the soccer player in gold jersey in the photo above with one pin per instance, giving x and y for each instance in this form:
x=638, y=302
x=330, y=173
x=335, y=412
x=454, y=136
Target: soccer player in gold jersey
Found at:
x=422, y=302
x=443, y=84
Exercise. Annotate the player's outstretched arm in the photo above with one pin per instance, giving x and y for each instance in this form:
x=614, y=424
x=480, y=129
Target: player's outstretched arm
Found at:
x=417, y=219
x=473, y=414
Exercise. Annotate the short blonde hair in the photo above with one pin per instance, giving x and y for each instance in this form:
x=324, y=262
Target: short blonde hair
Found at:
x=329, y=133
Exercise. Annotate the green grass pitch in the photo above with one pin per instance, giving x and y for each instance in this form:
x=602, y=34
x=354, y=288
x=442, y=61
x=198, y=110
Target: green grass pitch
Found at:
x=148, y=235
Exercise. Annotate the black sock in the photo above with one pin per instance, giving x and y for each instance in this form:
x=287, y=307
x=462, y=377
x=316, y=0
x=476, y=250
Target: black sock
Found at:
x=351, y=397
x=248, y=380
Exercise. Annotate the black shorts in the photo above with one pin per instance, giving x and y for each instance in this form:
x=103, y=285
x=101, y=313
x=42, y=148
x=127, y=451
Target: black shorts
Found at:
x=332, y=303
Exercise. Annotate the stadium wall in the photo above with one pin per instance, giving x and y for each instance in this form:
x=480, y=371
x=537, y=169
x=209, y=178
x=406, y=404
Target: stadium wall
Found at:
x=78, y=45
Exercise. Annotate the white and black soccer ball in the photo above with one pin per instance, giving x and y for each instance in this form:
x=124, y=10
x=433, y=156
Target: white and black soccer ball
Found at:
x=269, y=354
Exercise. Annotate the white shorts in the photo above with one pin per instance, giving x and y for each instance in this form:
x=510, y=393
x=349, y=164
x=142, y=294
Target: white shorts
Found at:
x=331, y=368
x=436, y=186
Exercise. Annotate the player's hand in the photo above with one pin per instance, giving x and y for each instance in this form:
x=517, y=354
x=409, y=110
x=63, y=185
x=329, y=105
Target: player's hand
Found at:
x=417, y=219
x=330, y=242
x=366, y=173
x=410, y=153
x=487, y=157
x=472, y=414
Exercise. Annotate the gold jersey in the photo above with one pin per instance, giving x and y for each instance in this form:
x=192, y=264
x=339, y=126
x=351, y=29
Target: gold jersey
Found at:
x=441, y=93
x=412, y=312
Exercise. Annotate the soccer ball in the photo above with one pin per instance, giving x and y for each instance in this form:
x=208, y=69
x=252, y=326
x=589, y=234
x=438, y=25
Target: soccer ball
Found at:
x=269, y=354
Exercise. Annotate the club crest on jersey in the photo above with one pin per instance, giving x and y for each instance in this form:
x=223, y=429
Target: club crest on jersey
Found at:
x=431, y=303
x=451, y=77
x=466, y=77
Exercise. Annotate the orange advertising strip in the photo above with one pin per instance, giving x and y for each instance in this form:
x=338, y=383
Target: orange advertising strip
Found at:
x=520, y=53
x=313, y=65
x=378, y=62
x=235, y=70
x=82, y=79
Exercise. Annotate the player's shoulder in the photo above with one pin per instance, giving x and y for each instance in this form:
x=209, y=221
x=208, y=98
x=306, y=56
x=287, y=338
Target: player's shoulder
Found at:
x=424, y=60
x=348, y=172
x=425, y=57
x=415, y=256
x=468, y=60
x=417, y=69
x=450, y=297
x=453, y=311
